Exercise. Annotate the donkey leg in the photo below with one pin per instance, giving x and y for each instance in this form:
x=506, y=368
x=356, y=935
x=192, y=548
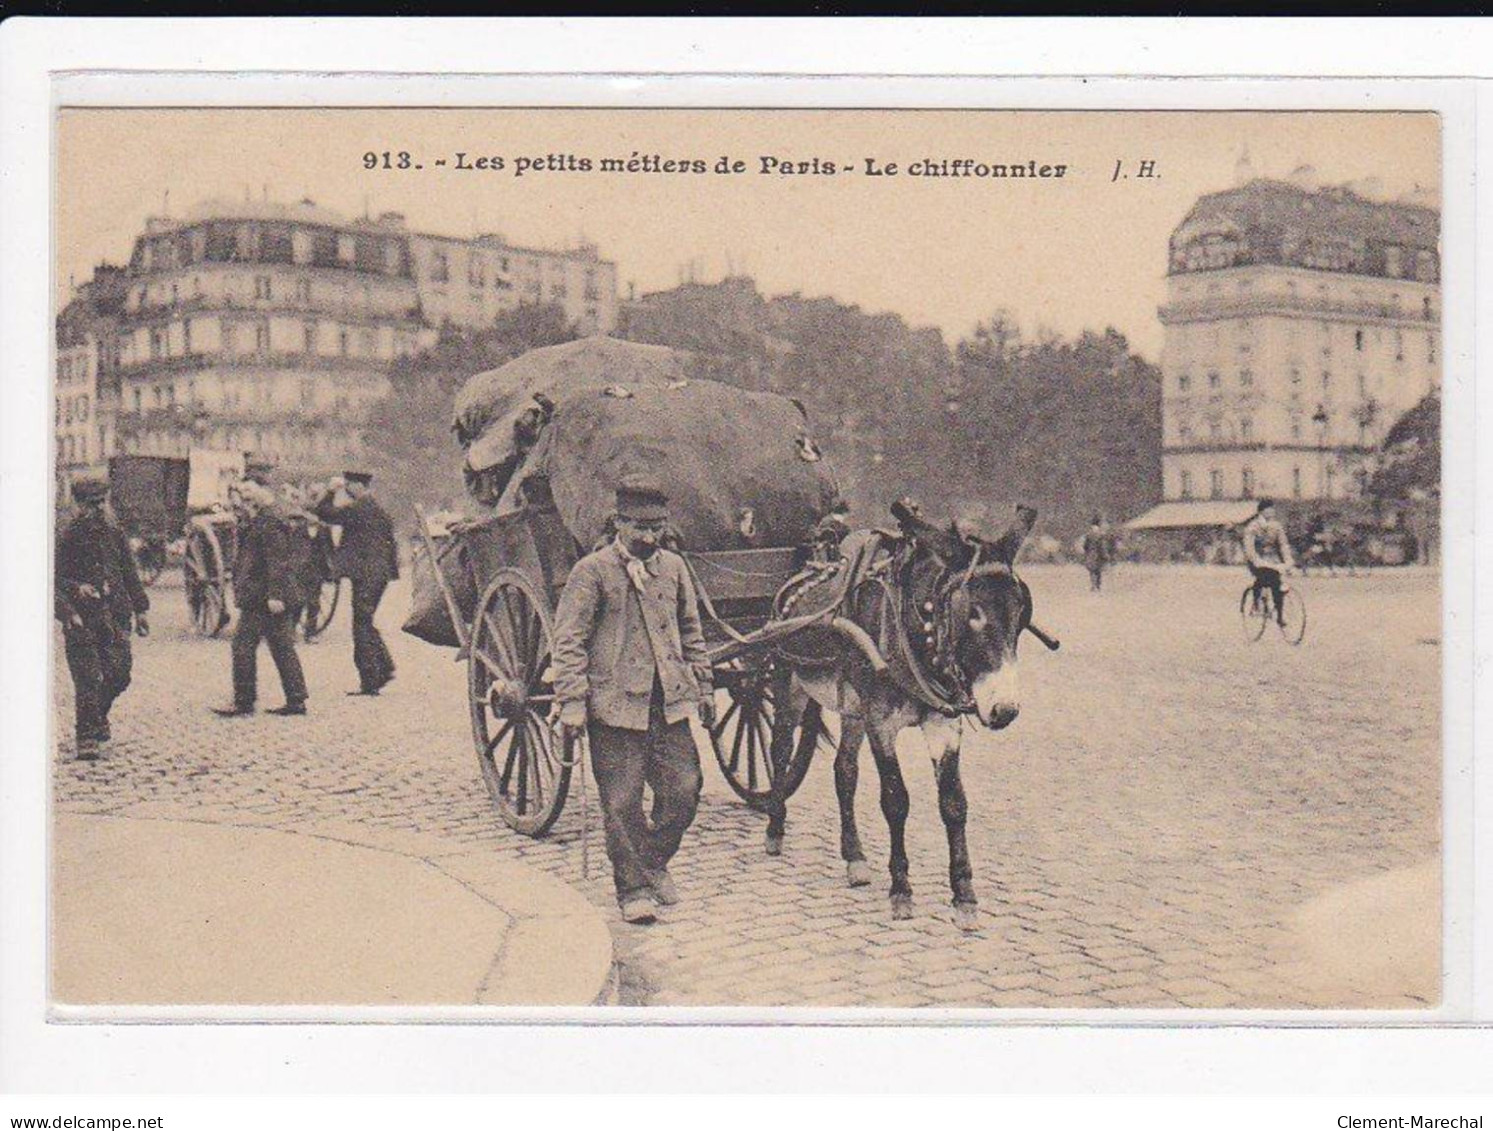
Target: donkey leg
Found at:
x=953, y=809
x=894, y=806
x=790, y=704
x=847, y=775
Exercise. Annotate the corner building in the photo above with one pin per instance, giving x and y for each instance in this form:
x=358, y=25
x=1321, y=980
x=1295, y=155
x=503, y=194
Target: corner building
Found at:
x=1300, y=323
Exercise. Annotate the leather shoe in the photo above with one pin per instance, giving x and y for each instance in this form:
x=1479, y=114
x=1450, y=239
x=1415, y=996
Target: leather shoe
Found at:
x=288, y=709
x=638, y=909
x=233, y=712
x=664, y=891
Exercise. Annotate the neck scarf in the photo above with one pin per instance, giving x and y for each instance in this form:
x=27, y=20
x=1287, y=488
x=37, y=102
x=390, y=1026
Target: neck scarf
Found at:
x=637, y=569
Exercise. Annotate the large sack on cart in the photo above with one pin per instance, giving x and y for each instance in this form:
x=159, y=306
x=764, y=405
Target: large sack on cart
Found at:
x=430, y=617
x=567, y=423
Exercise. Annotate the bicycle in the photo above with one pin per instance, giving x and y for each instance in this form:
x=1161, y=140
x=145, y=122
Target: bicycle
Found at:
x=1257, y=611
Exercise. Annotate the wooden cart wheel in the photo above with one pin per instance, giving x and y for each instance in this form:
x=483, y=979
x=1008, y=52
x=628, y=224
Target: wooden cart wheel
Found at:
x=742, y=735
x=204, y=583
x=331, y=589
x=511, y=688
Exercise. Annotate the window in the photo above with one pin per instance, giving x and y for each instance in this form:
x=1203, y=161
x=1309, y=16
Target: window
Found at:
x=1394, y=263
x=1358, y=340
x=342, y=341
x=1246, y=379
x=196, y=285
x=308, y=391
x=1295, y=376
x=1425, y=308
x=174, y=297
x=439, y=271
x=1247, y=483
x=171, y=395
x=83, y=407
x=1296, y=482
x=1331, y=480
x=230, y=337
x=1431, y=348
x=1215, y=431
x=192, y=393
x=1295, y=427
x=261, y=286
x=83, y=448
x=303, y=291
x=1187, y=484
x=1215, y=484
x=368, y=345
x=158, y=343
x=1213, y=379
x=262, y=337
x=1363, y=385
x=347, y=249
x=1246, y=430
x=159, y=394
x=1399, y=345
x=1184, y=432
x=139, y=407
x=476, y=274
x=308, y=331
x=186, y=336
x=1184, y=382
x=1326, y=378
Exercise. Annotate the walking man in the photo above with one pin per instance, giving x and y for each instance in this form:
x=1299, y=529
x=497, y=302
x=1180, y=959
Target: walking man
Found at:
x=97, y=595
x=1097, y=550
x=369, y=558
x=630, y=669
x=267, y=584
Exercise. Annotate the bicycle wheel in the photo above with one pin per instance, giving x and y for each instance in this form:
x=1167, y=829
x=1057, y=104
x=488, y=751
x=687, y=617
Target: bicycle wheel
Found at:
x=1254, y=612
x=1293, y=616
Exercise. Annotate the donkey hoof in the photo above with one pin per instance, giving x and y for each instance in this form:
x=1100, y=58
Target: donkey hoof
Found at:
x=858, y=873
x=774, y=845
x=967, y=916
x=902, y=906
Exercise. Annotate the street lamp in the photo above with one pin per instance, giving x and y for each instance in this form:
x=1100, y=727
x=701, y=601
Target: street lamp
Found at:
x=1319, y=418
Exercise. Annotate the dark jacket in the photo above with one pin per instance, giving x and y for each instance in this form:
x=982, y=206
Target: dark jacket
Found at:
x=271, y=562
x=610, y=640
x=93, y=551
x=369, y=551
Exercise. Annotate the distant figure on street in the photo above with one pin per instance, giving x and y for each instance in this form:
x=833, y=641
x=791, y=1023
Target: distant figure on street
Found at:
x=267, y=585
x=1267, y=552
x=369, y=557
x=630, y=669
x=97, y=595
x=1098, y=551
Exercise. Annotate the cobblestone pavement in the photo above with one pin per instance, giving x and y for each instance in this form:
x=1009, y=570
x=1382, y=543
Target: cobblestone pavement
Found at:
x=1141, y=836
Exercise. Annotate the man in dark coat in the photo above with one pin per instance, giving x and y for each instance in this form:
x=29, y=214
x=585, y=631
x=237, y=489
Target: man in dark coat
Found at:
x=267, y=584
x=630, y=670
x=97, y=595
x=1098, y=551
x=369, y=558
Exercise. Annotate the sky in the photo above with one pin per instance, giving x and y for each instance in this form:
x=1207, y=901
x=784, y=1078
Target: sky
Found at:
x=1081, y=251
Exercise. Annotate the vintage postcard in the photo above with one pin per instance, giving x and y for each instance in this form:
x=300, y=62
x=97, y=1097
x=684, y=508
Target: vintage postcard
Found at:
x=796, y=559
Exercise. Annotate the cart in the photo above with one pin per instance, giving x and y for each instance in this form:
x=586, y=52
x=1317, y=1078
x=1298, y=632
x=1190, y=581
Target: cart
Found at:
x=149, y=497
x=212, y=546
x=501, y=578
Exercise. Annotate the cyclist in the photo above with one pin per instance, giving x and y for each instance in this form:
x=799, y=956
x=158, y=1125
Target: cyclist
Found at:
x=1267, y=552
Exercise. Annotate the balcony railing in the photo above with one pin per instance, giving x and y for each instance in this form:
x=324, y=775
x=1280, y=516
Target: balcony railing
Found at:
x=1237, y=306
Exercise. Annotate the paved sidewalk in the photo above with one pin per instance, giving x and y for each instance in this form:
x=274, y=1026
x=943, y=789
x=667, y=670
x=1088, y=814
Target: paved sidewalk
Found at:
x=172, y=910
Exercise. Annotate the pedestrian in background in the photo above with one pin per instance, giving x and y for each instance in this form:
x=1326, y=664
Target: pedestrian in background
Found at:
x=369, y=558
x=1098, y=551
x=97, y=596
x=267, y=583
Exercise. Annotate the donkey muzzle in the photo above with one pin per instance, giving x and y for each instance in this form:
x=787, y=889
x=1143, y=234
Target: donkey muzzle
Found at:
x=997, y=696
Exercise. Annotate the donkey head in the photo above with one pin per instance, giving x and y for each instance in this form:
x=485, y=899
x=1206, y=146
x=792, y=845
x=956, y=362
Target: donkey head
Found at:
x=988, y=607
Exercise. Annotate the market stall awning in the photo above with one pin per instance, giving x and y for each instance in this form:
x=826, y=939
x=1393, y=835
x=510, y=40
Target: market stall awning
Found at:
x=1180, y=515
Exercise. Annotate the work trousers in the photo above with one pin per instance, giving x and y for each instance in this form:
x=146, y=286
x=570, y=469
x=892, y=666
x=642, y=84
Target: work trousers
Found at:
x=278, y=631
x=1268, y=578
x=665, y=759
x=370, y=653
x=99, y=658
x=1096, y=576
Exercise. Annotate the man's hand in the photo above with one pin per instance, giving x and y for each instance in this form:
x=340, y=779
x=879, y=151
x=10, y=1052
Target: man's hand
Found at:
x=707, y=712
x=74, y=620
x=142, y=626
x=86, y=590
x=572, y=719
x=275, y=605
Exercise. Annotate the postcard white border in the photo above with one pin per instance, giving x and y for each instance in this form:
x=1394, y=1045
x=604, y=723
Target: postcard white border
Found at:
x=30, y=1048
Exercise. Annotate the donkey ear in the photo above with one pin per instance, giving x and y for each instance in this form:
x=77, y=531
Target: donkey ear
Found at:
x=1008, y=545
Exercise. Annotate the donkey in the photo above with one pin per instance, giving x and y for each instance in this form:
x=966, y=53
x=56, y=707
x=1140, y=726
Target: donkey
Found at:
x=947, y=613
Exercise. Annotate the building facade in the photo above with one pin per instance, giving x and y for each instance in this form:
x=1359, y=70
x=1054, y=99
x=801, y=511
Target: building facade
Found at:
x=1300, y=323
x=271, y=328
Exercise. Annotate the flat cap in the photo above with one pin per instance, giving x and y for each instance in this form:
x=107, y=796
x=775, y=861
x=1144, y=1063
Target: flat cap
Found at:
x=642, y=498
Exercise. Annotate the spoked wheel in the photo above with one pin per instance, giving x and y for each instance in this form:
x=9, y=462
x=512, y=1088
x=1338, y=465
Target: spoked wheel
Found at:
x=1255, y=612
x=204, y=585
x=742, y=736
x=511, y=686
x=331, y=589
x=1293, y=616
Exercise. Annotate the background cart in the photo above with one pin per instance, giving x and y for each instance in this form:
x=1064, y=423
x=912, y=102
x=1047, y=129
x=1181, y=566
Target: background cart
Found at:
x=149, y=497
